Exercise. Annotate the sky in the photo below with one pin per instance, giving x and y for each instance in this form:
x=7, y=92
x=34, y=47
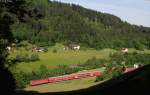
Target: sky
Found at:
x=133, y=11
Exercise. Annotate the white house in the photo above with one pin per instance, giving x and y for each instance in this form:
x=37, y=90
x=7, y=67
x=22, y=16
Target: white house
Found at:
x=37, y=49
x=76, y=47
x=8, y=48
x=136, y=66
x=72, y=46
x=124, y=50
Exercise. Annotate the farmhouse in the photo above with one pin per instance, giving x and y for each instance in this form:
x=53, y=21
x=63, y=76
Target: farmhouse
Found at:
x=38, y=49
x=136, y=66
x=124, y=50
x=11, y=47
x=8, y=48
x=72, y=46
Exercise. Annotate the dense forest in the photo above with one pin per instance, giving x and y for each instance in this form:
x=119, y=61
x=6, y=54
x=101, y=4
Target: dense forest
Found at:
x=45, y=22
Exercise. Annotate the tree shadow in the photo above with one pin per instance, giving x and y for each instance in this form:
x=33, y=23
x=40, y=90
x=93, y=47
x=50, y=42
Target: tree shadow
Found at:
x=7, y=82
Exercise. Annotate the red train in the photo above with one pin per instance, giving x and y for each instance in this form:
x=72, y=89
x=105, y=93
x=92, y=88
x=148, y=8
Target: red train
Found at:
x=66, y=77
x=128, y=69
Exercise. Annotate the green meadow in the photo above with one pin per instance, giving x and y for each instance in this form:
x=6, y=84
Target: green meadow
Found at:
x=52, y=59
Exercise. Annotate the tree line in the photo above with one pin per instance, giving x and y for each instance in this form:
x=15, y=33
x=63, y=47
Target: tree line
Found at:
x=46, y=22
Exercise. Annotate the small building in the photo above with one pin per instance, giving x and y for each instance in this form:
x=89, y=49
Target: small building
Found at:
x=8, y=48
x=136, y=66
x=38, y=49
x=72, y=46
x=124, y=50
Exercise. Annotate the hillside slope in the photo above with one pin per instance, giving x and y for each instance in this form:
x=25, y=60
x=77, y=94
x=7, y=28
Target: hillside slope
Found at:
x=44, y=22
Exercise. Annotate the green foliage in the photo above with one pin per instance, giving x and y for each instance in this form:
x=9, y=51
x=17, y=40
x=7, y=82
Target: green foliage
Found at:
x=21, y=79
x=93, y=63
x=45, y=23
x=45, y=49
x=27, y=58
x=23, y=44
x=111, y=71
x=3, y=52
x=139, y=46
x=21, y=58
x=120, y=60
x=34, y=57
x=8, y=15
x=54, y=51
x=44, y=72
x=129, y=59
x=117, y=71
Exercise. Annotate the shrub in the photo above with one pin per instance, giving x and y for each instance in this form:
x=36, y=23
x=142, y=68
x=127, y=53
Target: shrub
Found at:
x=93, y=63
x=23, y=44
x=21, y=79
x=26, y=58
x=22, y=58
x=34, y=57
x=117, y=71
x=110, y=72
x=45, y=49
x=54, y=51
x=84, y=48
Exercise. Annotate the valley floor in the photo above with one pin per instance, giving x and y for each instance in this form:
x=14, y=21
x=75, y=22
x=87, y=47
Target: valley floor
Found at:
x=67, y=57
x=52, y=59
x=64, y=86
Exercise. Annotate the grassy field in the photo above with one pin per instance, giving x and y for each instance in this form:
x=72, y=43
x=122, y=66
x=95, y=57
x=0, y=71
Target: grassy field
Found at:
x=52, y=60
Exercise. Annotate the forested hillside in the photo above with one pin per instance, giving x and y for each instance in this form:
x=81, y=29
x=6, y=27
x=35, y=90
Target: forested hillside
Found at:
x=44, y=22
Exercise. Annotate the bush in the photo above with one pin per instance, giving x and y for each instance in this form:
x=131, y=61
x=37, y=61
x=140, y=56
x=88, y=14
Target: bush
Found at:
x=99, y=78
x=130, y=58
x=93, y=63
x=34, y=57
x=26, y=58
x=83, y=48
x=22, y=44
x=138, y=46
x=54, y=51
x=110, y=72
x=21, y=79
x=45, y=49
x=117, y=71
x=22, y=58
